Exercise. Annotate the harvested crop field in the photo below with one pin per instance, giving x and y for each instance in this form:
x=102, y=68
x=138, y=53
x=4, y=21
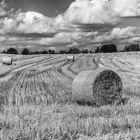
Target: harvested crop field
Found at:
x=37, y=104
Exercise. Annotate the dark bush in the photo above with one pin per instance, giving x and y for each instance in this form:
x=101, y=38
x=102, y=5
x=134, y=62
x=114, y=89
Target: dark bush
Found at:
x=25, y=51
x=62, y=52
x=133, y=47
x=109, y=48
x=51, y=51
x=98, y=50
x=74, y=51
x=11, y=51
x=85, y=51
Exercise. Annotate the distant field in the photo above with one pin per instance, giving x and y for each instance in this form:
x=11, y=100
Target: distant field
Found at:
x=36, y=99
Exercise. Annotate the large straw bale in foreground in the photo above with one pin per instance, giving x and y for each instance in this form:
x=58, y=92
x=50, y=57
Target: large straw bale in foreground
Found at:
x=100, y=87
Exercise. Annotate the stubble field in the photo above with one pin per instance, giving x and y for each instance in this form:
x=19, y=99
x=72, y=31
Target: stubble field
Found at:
x=36, y=101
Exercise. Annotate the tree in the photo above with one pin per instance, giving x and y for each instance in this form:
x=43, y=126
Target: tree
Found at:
x=4, y=51
x=62, y=52
x=85, y=51
x=37, y=52
x=51, y=51
x=12, y=51
x=109, y=48
x=133, y=47
x=43, y=52
x=25, y=51
x=74, y=51
x=98, y=50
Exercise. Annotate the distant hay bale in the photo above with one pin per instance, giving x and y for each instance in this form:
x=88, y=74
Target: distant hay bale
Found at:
x=7, y=60
x=70, y=58
x=96, y=60
x=100, y=87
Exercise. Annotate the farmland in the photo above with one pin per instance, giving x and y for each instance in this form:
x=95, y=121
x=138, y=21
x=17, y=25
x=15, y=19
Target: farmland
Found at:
x=36, y=99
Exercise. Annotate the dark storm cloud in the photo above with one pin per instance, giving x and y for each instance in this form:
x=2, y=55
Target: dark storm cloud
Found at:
x=31, y=35
x=95, y=27
x=130, y=21
x=3, y=16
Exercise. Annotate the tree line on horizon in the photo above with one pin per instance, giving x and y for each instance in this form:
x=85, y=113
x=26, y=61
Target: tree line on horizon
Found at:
x=107, y=48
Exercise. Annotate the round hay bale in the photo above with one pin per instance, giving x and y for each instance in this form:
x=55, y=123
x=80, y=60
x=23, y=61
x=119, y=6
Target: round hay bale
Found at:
x=70, y=58
x=7, y=60
x=100, y=87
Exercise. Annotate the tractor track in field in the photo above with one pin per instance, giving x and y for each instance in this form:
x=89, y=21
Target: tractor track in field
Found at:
x=32, y=83
x=84, y=63
x=6, y=86
x=26, y=65
x=25, y=58
x=29, y=64
x=67, y=70
x=21, y=67
x=68, y=73
x=123, y=68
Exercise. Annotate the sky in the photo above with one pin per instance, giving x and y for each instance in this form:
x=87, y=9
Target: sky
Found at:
x=47, y=7
x=62, y=24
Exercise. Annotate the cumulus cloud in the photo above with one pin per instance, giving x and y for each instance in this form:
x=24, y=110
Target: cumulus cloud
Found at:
x=52, y=48
x=29, y=22
x=86, y=13
x=91, y=12
x=38, y=23
x=3, y=5
x=126, y=8
x=68, y=38
x=119, y=35
x=124, y=32
x=2, y=38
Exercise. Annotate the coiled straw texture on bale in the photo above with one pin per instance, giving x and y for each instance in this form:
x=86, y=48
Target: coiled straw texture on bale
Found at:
x=100, y=87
